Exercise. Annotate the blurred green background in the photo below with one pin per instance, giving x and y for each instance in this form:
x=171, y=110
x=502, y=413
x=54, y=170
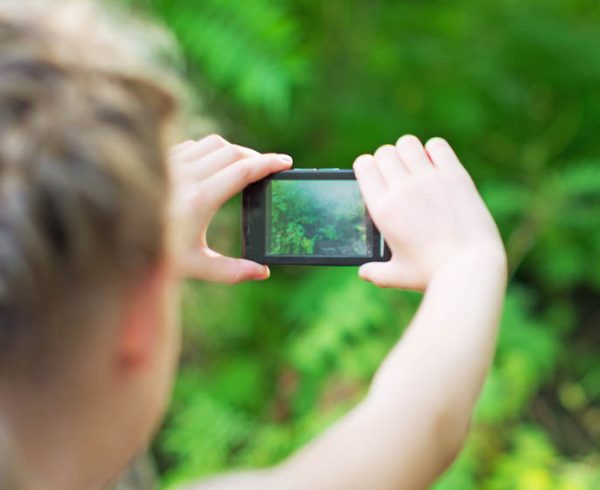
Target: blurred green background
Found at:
x=515, y=87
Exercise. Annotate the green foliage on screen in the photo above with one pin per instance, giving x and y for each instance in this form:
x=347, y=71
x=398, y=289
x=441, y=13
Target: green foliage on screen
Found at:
x=515, y=87
x=316, y=217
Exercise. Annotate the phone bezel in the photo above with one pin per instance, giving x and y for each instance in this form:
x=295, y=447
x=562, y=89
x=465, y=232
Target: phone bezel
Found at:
x=254, y=216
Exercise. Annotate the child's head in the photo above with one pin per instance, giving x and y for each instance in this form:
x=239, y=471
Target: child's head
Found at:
x=84, y=269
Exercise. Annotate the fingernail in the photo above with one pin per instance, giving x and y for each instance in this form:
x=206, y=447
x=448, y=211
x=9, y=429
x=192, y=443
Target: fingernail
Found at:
x=264, y=274
x=286, y=159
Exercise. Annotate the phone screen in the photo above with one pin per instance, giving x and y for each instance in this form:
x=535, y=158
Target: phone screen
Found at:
x=317, y=218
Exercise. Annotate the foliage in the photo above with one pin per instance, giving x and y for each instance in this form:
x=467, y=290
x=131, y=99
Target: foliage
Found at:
x=514, y=86
x=316, y=217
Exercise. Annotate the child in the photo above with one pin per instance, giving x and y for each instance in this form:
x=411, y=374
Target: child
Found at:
x=96, y=231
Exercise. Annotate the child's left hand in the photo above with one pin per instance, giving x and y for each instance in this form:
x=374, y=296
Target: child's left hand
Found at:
x=205, y=175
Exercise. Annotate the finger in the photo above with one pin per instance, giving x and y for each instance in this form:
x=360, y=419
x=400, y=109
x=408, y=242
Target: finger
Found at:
x=217, y=160
x=390, y=165
x=413, y=154
x=223, y=185
x=202, y=148
x=442, y=155
x=179, y=147
x=391, y=275
x=210, y=266
x=369, y=178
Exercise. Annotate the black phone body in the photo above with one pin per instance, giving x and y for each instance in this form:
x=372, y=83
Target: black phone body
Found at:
x=309, y=217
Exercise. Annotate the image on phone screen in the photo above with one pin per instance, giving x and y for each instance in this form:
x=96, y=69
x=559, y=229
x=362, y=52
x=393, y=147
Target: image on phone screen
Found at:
x=317, y=218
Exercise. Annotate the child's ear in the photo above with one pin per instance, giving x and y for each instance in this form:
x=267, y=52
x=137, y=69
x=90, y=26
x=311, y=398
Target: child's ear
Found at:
x=142, y=319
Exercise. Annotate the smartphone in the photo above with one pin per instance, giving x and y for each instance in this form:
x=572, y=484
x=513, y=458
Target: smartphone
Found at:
x=309, y=217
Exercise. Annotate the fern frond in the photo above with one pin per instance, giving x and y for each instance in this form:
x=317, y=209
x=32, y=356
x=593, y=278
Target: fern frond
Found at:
x=249, y=49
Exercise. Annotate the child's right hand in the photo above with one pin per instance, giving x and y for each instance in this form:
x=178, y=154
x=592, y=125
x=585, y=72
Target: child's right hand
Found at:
x=427, y=208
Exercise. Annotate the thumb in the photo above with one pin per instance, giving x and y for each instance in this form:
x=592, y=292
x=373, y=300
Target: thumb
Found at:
x=390, y=275
x=215, y=267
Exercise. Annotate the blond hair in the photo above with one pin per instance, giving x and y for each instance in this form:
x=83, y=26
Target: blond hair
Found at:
x=83, y=180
